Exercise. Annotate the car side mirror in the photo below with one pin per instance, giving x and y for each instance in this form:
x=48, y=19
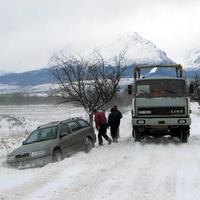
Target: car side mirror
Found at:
x=191, y=88
x=63, y=135
x=129, y=89
x=23, y=143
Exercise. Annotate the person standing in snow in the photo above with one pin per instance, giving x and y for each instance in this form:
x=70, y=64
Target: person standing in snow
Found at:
x=101, y=125
x=119, y=116
x=113, y=122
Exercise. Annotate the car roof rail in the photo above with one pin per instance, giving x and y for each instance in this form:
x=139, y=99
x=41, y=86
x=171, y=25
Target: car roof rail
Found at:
x=47, y=124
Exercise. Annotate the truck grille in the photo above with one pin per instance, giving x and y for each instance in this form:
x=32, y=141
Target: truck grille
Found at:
x=178, y=110
x=22, y=155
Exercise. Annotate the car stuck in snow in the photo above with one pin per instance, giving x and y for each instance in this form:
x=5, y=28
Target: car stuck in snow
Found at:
x=52, y=142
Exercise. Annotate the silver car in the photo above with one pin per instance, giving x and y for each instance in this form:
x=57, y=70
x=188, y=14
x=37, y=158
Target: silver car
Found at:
x=52, y=142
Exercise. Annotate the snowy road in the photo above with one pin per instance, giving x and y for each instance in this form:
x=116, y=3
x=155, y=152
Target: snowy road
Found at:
x=156, y=169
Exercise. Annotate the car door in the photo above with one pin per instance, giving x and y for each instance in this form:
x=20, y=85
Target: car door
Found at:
x=86, y=130
x=65, y=139
x=76, y=132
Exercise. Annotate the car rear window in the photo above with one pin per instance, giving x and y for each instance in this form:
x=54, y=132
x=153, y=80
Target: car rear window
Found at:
x=83, y=123
x=74, y=126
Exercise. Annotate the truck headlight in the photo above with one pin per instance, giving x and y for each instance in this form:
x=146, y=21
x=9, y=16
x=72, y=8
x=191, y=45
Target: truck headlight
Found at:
x=182, y=121
x=37, y=153
x=140, y=121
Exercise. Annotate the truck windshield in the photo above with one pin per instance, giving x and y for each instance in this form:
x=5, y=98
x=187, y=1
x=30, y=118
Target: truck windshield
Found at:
x=42, y=135
x=160, y=88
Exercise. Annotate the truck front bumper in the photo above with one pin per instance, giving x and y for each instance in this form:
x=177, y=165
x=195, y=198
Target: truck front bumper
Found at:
x=161, y=121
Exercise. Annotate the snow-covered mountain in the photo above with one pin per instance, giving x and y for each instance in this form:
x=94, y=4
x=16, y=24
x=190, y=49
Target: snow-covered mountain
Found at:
x=138, y=51
x=193, y=59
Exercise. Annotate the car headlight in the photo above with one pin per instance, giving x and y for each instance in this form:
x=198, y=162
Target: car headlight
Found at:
x=37, y=153
x=10, y=158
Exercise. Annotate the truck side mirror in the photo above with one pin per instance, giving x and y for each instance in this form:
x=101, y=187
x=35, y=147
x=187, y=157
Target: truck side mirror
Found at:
x=191, y=88
x=129, y=89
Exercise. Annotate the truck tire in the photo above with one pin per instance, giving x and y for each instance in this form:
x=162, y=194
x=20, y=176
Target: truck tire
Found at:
x=133, y=134
x=184, y=134
x=137, y=135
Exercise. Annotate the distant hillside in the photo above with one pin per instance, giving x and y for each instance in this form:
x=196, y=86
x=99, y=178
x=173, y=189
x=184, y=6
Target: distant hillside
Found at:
x=139, y=51
x=30, y=78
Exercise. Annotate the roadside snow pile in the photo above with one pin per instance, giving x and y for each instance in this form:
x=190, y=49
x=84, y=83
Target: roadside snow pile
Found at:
x=13, y=131
x=10, y=125
x=8, y=144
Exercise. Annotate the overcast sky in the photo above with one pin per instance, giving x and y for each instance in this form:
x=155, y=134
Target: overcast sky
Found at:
x=33, y=30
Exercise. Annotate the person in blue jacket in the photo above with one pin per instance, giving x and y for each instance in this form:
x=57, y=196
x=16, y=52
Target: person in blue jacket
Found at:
x=113, y=122
x=120, y=116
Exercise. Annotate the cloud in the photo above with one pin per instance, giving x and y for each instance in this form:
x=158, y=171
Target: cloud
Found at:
x=31, y=31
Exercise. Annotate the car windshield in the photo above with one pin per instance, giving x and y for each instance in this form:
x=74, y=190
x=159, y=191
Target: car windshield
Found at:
x=42, y=135
x=161, y=88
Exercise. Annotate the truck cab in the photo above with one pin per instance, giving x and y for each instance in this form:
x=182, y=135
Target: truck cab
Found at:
x=160, y=106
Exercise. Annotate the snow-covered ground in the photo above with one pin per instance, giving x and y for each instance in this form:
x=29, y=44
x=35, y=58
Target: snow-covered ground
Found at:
x=154, y=169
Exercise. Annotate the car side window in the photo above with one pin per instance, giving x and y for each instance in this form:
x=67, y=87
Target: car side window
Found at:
x=74, y=126
x=64, y=129
x=83, y=123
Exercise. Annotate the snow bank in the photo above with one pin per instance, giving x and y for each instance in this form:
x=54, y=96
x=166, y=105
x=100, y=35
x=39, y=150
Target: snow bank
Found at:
x=16, y=122
x=153, y=169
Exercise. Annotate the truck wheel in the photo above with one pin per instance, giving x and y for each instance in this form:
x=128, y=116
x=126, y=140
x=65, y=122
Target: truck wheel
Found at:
x=184, y=134
x=137, y=136
x=133, y=134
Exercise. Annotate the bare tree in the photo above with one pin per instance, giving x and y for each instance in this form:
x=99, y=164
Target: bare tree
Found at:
x=91, y=82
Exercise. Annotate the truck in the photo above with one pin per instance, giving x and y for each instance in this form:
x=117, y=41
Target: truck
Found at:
x=160, y=105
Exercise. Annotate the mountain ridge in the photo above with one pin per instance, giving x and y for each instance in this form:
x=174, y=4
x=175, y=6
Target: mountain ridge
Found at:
x=139, y=51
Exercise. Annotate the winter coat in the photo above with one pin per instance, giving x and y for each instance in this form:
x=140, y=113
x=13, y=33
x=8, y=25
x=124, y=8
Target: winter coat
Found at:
x=100, y=119
x=114, y=120
x=119, y=115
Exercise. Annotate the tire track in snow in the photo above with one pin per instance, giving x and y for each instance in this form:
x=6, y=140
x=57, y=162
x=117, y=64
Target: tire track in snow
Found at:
x=40, y=177
x=116, y=181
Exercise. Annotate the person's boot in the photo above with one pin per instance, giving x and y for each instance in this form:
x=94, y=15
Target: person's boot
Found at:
x=109, y=141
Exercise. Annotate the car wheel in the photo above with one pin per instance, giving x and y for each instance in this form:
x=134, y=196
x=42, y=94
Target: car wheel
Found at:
x=88, y=144
x=57, y=156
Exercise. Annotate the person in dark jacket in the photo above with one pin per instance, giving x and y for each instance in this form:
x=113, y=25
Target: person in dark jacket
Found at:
x=119, y=116
x=101, y=125
x=113, y=122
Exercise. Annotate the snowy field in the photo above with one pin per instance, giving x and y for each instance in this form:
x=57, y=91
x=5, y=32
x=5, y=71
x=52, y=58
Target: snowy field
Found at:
x=156, y=169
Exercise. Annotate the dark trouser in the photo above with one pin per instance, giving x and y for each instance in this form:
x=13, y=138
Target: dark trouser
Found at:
x=113, y=131
x=102, y=132
x=118, y=133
